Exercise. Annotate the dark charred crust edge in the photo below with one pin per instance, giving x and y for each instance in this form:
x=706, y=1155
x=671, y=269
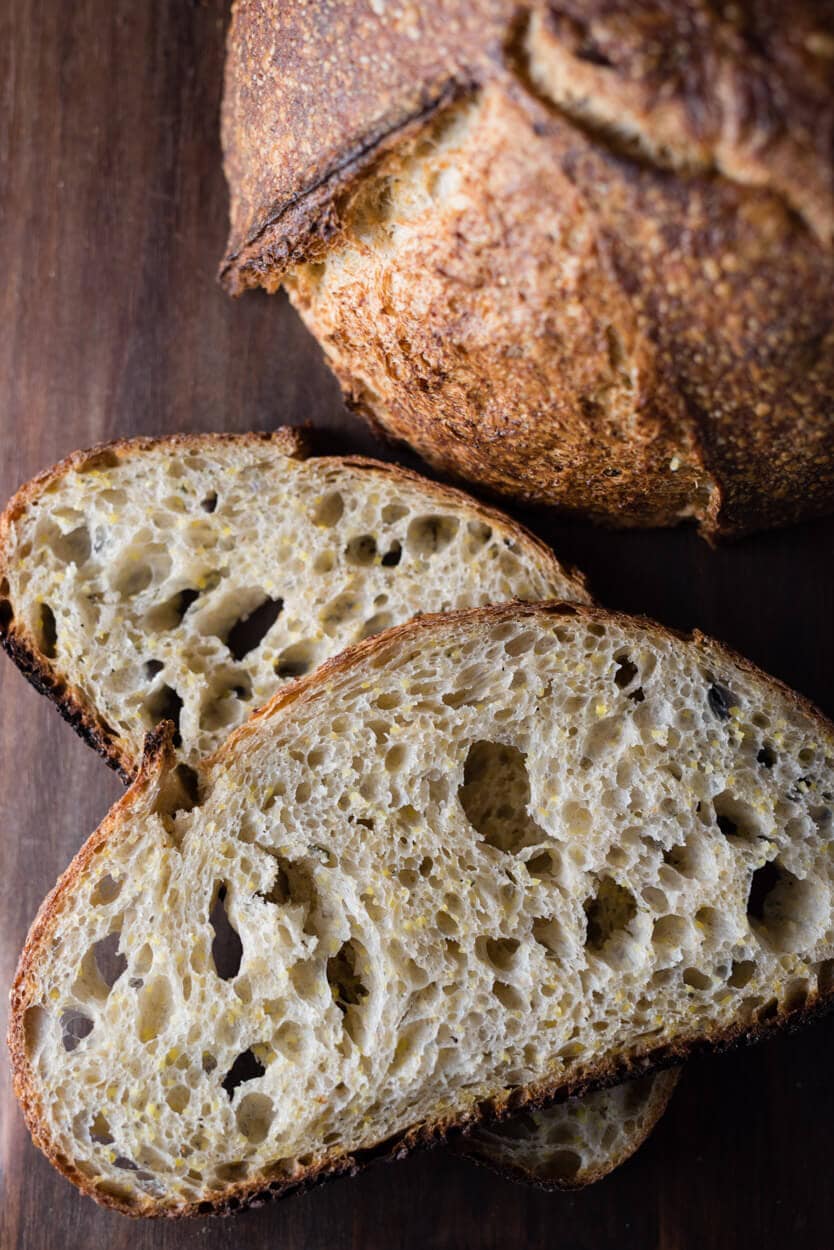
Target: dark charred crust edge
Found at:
x=296, y=229
x=159, y=756
x=93, y=729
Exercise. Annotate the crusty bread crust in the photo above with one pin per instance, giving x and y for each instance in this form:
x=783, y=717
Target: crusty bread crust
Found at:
x=706, y=189
x=46, y=675
x=160, y=758
x=287, y=162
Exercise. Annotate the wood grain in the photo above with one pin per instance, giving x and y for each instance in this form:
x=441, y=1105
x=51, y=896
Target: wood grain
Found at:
x=112, y=221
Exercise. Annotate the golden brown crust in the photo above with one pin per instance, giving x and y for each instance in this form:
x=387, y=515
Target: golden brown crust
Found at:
x=742, y=74
x=484, y=338
x=71, y=702
x=540, y=1177
x=159, y=757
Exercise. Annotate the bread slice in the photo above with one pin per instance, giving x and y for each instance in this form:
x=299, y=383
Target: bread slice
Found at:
x=191, y=577
x=577, y=1142
x=477, y=863
x=81, y=534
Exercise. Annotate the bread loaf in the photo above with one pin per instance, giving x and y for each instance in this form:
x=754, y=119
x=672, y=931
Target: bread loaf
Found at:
x=476, y=862
x=582, y=256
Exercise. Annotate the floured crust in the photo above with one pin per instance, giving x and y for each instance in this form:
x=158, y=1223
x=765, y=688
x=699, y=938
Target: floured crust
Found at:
x=76, y=705
x=658, y=169
x=160, y=758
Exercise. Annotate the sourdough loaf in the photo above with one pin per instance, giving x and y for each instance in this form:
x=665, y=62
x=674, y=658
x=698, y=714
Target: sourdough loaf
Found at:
x=590, y=848
x=580, y=253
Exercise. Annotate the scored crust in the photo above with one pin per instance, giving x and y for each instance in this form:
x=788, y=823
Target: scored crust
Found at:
x=752, y=88
x=158, y=762
x=76, y=706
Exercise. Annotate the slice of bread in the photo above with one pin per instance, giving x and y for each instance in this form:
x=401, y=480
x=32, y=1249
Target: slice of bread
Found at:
x=79, y=541
x=476, y=863
x=577, y=1142
x=189, y=578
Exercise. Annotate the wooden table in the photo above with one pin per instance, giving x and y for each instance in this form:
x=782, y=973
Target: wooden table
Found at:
x=111, y=323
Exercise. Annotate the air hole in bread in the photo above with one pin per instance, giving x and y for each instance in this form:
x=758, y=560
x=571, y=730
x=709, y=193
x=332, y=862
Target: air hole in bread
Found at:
x=236, y=1171
x=720, y=700
x=209, y=502
x=6, y=610
x=426, y=535
x=109, y=963
x=169, y=615
x=127, y=1165
x=296, y=660
x=227, y=948
x=786, y=912
x=246, y=1067
x=392, y=556
x=155, y=1003
x=393, y=512
x=72, y=548
x=478, y=535
x=106, y=889
x=549, y=933
x=508, y=996
x=329, y=509
x=544, y=864
x=766, y=757
x=607, y=913
x=47, y=631
x=294, y=883
x=165, y=704
x=495, y=794
x=670, y=931
x=97, y=460
x=687, y=858
x=254, y=1116
x=734, y=817
x=178, y=1098
x=138, y=567
x=179, y=791
x=500, y=953
x=361, y=550
x=249, y=631
x=345, y=978
x=341, y=609
x=100, y=1130
x=696, y=980
x=741, y=972
x=35, y=1023
x=75, y=1026
x=151, y=668
x=376, y=624
x=626, y=671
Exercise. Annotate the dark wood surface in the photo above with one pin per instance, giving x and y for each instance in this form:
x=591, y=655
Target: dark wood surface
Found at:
x=112, y=220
